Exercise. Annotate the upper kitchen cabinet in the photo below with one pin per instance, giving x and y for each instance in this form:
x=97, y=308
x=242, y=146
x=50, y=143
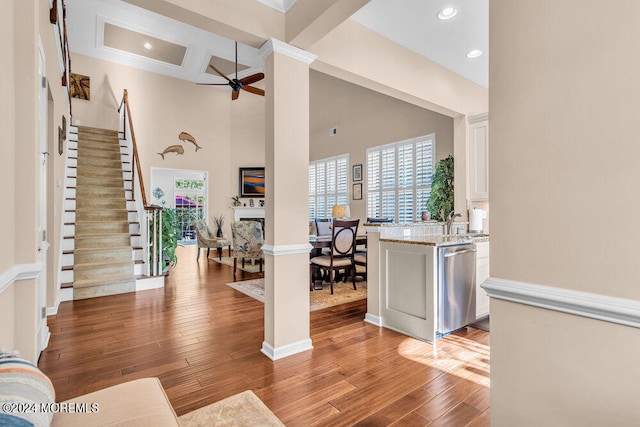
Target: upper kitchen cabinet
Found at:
x=479, y=157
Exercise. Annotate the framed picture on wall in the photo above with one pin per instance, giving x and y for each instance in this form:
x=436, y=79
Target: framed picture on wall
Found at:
x=357, y=191
x=251, y=182
x=357, y=172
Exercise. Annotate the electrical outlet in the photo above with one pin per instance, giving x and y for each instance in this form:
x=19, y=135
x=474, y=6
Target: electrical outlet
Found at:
x=333, y=131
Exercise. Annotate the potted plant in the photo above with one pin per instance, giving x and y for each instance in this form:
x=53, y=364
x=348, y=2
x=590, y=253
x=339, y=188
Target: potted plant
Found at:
x=236, y=200
x=218, y=220
x=170, y=236
x=440, y=202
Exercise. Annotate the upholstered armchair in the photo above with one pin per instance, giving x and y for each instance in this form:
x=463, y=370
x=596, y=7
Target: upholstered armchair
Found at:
x=247, y=242
x=206, y=239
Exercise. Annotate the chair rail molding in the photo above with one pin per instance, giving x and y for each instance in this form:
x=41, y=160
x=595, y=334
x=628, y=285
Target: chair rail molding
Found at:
x=277, y=250
x=595, y=306
x=19, y=272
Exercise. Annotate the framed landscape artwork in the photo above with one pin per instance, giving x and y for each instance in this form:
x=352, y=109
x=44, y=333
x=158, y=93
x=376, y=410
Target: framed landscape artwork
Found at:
x=252, y=182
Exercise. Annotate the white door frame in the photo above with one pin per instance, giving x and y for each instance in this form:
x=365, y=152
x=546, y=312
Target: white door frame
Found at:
x=43, y=244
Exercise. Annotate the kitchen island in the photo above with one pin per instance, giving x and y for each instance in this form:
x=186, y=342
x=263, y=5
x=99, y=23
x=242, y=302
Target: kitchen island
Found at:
x=403, y=279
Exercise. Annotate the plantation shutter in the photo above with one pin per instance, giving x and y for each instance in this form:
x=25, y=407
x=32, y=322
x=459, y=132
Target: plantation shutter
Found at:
x=399, y=179
x=328, y=185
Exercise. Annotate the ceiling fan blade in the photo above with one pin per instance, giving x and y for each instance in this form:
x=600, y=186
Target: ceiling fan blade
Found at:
x=234, y=94
x=252, y=78
x=220, y=72
x=213, y=84
x=253, y=90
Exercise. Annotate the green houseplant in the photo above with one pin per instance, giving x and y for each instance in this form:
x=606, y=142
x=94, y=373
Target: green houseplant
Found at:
x=440, y=202
x=170, y=236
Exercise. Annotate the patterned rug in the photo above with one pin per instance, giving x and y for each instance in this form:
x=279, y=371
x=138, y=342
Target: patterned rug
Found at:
x=318, y=299
x=243, y=409
x=248, y=267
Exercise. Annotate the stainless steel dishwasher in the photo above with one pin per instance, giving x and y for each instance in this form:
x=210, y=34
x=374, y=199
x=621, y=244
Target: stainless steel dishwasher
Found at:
x=456, y=287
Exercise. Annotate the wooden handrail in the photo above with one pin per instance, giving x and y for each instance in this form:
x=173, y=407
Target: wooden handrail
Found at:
x=136, y=158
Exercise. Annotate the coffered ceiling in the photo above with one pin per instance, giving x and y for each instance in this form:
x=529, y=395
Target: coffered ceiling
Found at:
x=118, y=31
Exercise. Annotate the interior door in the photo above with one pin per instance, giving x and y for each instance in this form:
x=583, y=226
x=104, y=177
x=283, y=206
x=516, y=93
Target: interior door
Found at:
x=43, y=245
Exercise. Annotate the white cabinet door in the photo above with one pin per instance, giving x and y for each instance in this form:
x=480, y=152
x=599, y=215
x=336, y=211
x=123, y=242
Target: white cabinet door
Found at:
x=479, y=157
x=482, y=273
x=408, y=289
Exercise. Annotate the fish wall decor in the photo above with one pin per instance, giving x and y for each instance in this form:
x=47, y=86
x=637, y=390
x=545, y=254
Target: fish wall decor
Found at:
x=178, y=149
x=184, y=136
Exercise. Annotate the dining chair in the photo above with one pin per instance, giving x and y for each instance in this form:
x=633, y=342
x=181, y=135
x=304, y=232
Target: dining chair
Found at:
x=247, y=242
x=343, y=245
x=323, y=226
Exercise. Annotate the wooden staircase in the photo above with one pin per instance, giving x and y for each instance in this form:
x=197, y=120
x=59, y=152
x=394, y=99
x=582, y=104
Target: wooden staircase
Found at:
x=100, y=251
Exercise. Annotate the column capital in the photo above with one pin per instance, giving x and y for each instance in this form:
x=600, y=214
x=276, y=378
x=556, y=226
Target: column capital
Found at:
x=274, y=45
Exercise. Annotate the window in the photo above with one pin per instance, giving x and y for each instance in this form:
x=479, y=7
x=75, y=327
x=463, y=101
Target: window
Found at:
x=190, y=204
x=328, y=185
x=399, y=179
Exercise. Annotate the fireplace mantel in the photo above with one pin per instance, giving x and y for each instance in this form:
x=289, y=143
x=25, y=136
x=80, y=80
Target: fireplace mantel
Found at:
x=245, y=212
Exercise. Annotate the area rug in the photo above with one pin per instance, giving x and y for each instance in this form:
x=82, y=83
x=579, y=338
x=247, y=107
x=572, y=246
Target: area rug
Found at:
x=248, y=266
x=318, y=299
x=243, y=409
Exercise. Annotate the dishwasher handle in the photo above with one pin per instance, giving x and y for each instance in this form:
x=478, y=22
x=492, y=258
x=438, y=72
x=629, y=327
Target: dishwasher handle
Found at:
x=449, y=254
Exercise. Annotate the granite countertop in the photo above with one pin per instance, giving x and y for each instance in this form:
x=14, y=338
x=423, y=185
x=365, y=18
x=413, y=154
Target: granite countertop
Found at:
x=439, y=240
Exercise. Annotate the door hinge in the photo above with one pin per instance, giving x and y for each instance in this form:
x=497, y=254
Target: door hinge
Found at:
x=44, y=83
x=44, y=312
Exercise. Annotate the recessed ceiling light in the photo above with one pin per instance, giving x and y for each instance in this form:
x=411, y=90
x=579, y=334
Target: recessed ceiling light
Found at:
x=474, y=53
x=147, y=45
x=447, y=13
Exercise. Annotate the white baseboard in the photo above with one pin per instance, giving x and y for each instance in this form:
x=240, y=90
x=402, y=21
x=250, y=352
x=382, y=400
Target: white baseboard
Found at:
x=601, y=307
x=286, y=350
x=149, y=283
x=373, y=319
x=52, y=311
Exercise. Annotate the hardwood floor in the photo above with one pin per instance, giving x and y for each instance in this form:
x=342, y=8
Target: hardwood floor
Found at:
x=203, y=340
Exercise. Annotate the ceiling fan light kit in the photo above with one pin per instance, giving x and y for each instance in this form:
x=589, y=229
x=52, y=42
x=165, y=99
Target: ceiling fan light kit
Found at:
x=239, y=84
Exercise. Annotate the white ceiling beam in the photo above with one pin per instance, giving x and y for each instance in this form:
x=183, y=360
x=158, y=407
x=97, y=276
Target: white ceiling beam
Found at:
x=310, y=20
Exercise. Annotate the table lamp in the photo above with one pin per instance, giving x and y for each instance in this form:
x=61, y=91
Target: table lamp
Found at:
x=340, y=211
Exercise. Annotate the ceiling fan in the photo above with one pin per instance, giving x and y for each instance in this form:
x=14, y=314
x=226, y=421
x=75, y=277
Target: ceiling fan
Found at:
x=237, y=84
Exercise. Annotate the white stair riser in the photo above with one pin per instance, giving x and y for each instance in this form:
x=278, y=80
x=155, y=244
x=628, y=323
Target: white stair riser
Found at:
x=66, y=276
x=68, y=244
x=138, y=269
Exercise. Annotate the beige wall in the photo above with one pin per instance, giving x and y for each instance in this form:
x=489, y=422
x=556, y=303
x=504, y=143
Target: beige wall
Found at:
x=19, y=113
x=162, y=107
x=8, y=125
x=364, y=119
x=563, y=155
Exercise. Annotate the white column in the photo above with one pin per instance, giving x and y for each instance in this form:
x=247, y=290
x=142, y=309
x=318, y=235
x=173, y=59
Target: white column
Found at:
x=286, y=249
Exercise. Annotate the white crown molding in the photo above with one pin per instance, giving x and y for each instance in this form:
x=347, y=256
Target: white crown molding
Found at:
x=279, y=5
x=277, y=250
x=19, y=272
x=478, y=118
x=274, y=45
x=275, y=353
x=595, y=306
